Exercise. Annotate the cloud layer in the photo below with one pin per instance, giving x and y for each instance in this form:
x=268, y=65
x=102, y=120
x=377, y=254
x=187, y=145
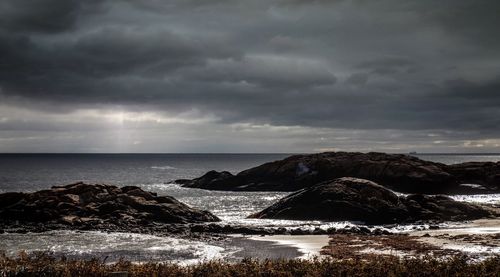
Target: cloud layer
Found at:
x=388, y=75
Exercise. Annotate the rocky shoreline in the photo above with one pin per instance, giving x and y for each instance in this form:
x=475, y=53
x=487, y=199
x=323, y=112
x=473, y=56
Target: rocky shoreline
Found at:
x=130, y=209
x=109, y=208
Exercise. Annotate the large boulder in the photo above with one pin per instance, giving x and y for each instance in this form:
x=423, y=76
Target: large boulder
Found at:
x=352, y=199
x=403, y=173
x=80, y=204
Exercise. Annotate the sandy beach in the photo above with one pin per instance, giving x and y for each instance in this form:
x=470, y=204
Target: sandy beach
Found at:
x=308, y=245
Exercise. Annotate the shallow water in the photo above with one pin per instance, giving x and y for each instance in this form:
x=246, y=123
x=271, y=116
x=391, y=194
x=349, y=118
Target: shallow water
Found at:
x=112, y=246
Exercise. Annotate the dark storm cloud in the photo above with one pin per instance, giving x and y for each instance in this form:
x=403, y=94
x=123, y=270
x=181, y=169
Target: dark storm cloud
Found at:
x=475, y=21
x=266, y=72
x=334, y=64
x=43, y=16
x=88, y=69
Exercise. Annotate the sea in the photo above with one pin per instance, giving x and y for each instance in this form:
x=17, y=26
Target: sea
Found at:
x=155, y=172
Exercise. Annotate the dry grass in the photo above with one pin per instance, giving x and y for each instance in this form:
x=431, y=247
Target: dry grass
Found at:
x=348, y=246
x=46, y=265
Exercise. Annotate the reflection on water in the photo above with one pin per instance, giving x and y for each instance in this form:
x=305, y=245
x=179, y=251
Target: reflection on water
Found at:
x=112, y=246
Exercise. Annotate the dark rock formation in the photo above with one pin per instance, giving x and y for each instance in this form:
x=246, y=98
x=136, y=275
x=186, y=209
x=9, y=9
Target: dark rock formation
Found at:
x=96, y=205
x=353, y=199
x=210, y=180
x=401, y=173
x=483, y=176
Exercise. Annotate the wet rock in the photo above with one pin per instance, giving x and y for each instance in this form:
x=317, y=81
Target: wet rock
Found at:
x=361, y=200
x=331, y=230
x=299, y=231
x=230, y=229
x=96, y=207
x=318, y=231
x=378, y=232
x=251, y=231
x=364, y=230
x=398, y=172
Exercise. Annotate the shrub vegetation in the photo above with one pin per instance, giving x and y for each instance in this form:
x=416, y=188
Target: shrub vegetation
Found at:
x=47, y=265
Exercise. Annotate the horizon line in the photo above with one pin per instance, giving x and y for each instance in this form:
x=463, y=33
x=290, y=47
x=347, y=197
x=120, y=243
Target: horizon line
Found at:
x=239, y=153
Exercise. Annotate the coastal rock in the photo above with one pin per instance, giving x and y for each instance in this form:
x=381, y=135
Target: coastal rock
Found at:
x=97, y=205
x=481, y=176
x=403, y=173
x=352, y=199
x=210, y=179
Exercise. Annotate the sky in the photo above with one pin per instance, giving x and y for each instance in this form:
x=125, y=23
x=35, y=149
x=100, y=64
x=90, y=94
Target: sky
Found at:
x=249, y=76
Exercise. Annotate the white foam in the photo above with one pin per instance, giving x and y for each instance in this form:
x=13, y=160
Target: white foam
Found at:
x=477, y=186
x=478, y=198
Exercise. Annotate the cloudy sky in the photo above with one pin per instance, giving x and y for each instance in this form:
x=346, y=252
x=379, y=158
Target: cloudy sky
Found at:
x=249, y=76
